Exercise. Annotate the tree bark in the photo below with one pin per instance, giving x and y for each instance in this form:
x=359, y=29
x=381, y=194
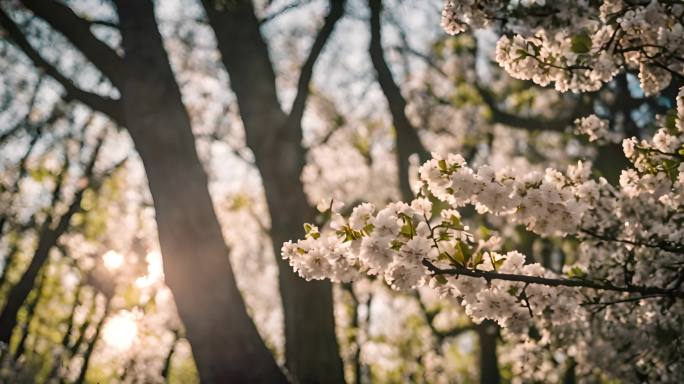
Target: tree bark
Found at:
x=225, y=342
x=311, y=350
x=488, y=332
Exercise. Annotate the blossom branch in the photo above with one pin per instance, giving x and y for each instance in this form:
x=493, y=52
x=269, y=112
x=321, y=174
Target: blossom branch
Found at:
x=665, y=246
x=553, y=282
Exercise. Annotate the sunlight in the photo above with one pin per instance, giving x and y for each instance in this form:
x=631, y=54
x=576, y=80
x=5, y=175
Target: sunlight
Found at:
x=120, y=331
x=112, y=260
x=155, y=270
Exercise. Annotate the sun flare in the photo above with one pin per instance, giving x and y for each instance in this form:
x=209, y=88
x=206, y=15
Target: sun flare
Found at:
x=112, y=260
x=121, y=330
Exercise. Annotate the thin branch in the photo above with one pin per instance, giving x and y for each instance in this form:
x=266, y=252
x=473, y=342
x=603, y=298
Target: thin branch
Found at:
x=406, y=48
x=77, y=30
x=106, y=105
x=299, y=104
x=665, y=246
x=554, y=282
x=285, y=9
x=91, y=345
x=529, y=123
x=26, y=119
x=104, y=23
x=439, y=334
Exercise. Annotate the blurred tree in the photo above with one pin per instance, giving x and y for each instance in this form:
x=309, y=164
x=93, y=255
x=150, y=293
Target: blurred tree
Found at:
x=152, y=110
x=275, y=138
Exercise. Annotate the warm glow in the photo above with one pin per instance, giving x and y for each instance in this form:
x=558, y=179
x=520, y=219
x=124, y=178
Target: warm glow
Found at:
x=112, y=260
x=120, y=331
x=155, y=270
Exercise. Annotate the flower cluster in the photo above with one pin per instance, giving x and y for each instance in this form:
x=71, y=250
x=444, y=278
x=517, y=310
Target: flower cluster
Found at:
x=628, y=265
x=401, y=245
x=579, y=45
x=596, y=129
x=548, y=203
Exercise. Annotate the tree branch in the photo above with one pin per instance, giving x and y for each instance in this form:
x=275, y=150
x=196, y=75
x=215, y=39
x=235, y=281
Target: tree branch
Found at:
x=106, y=105
x=285, y=9
x=299, y=104
x=27, y=117
x=439, y=334
x=663, y=245
x=555, y=282
x=77, y=31
x=528, y=123
x=104, y=23
x=407, y=138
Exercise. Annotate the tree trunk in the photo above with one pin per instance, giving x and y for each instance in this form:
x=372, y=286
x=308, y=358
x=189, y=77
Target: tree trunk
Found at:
x=225, y=342
x=311, y=350
x=52, y=228
x=19, y=293
x=91, y=345
x=487, y=333
x=30, y=312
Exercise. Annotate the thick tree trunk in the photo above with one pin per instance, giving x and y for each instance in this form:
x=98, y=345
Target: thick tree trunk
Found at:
x=311, y=350
x=225, y=342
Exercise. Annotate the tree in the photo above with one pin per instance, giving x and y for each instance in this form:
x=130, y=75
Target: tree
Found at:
x=388, y=84
x=152, y=110
x=275, y=138
x=626, y=260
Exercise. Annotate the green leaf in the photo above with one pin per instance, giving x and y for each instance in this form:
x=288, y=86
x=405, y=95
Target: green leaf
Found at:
x=580, y=43
x=396, y=245
x=407, y=230
x=477, y=260
x=671, y=121
x=671, y=167
x=576, y=272
x=467, y=252
x=310, y=231
x=459, y=255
